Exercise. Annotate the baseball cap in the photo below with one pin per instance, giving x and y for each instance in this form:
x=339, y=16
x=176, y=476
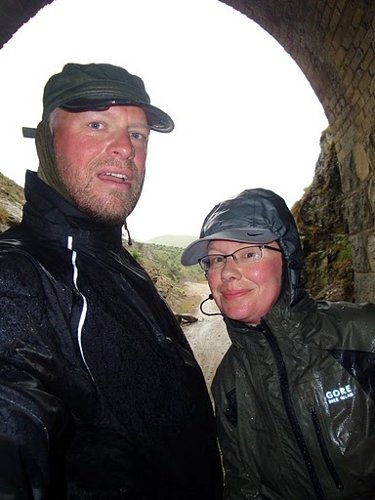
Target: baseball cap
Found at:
x=83, y=87
x=245, y=218
x=198, y=248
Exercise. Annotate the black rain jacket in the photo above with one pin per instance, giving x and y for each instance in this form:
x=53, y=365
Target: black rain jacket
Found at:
x=100, y=395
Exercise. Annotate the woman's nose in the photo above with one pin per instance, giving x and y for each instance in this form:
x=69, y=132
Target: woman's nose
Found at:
x=122, y=146
x=230, y=270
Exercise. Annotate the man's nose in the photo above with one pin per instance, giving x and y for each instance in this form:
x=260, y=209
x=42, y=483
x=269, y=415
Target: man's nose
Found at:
x=122, y=146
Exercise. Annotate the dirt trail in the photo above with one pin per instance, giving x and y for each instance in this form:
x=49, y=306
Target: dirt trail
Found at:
x=208, y=336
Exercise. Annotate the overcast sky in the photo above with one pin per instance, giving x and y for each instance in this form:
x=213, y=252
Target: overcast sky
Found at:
x=245, y=115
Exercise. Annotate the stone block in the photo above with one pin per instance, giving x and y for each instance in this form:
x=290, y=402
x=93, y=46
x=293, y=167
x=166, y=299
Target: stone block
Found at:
x=359, y=254
x=364, y=287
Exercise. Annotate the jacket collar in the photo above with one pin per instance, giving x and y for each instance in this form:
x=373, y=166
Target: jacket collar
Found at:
x=282, y=317
x=53, y=217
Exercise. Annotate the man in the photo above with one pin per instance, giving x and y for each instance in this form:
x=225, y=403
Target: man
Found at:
x=100, y=395
x=294, y=394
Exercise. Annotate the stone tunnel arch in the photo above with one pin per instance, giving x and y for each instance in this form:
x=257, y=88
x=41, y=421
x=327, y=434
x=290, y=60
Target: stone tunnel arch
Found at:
x=333, y=42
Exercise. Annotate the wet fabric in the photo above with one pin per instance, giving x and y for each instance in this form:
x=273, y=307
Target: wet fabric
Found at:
x=46, y=154
x=294, y=395
x=295, y=404
x=100, y=394
x=82, y=87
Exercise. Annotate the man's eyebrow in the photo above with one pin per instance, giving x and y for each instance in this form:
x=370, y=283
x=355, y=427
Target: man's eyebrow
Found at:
x=140, y=125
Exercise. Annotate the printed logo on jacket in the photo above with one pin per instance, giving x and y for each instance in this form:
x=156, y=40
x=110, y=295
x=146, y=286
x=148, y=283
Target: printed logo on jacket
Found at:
x=339, y=394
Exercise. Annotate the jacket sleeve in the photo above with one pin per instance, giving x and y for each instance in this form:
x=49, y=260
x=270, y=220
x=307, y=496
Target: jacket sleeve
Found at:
x=238, y=482
x=32, y=418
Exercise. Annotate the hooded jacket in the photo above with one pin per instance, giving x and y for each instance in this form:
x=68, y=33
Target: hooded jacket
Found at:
x=294, y=396
x=100, y=395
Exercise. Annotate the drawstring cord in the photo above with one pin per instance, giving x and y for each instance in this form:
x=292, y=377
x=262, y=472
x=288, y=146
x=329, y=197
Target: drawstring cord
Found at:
x=130, y=241
x=210, y=297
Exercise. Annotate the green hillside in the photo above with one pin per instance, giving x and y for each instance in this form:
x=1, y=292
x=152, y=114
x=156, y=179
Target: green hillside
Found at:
x=163, y=264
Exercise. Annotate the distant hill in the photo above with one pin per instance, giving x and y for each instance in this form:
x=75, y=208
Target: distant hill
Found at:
x=172, y=240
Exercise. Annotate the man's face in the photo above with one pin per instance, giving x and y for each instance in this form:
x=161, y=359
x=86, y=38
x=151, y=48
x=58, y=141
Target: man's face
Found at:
x=245, y=292
x=100, y=158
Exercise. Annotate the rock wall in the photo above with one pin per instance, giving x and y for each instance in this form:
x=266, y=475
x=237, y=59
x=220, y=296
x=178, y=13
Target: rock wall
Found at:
x=320, y=216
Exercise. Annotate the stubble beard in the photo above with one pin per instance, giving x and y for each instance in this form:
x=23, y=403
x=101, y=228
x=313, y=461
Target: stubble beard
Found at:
x=112, y=209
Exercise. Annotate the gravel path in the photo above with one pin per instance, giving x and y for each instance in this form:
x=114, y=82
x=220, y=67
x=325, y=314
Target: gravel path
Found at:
x=208, y=336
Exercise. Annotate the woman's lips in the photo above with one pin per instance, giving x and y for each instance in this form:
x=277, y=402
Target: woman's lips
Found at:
x=234, y=294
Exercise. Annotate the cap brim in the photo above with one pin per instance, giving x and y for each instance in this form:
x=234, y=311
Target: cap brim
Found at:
x=198, y=248
x=29, y=132
x=157, y=119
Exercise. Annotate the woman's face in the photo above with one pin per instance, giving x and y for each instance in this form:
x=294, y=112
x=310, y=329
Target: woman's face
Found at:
x=245, y=291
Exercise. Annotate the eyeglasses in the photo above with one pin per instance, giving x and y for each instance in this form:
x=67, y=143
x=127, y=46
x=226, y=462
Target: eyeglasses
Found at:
x=242, y=256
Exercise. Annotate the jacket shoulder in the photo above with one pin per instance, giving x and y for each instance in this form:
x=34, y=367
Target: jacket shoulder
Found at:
x=347, y=310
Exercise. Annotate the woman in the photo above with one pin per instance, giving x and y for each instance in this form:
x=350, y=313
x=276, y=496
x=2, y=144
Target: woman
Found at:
x=294, y=394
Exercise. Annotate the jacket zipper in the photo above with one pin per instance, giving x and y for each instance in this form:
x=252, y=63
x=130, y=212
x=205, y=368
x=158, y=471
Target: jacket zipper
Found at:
x=289, y=408
x=324, y=450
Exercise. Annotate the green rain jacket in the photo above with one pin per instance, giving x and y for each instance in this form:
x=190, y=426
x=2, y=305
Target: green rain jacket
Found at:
x=295, y=404
x=295, y=395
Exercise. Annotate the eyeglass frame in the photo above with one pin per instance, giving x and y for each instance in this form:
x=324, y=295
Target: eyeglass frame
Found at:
x=261, y=247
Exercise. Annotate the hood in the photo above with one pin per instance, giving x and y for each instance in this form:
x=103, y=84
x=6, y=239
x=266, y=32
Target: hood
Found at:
x=254, y=216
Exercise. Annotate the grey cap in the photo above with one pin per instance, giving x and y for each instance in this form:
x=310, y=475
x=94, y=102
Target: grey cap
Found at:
x=198, y=248
x=82, y=87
